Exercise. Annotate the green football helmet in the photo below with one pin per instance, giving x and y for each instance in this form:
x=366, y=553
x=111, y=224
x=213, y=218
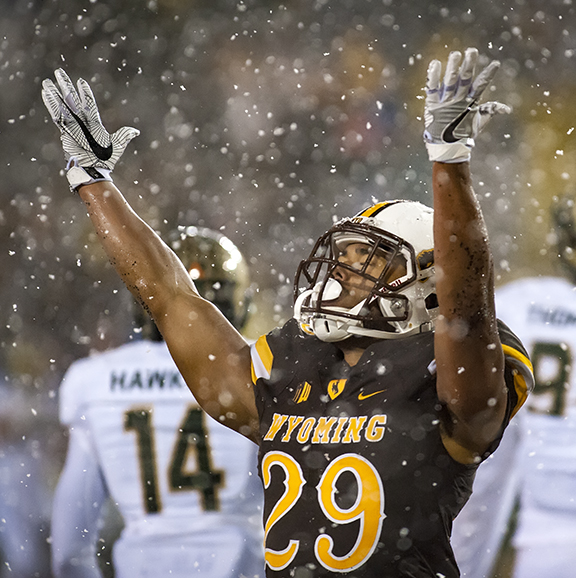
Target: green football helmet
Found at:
x=218, y=269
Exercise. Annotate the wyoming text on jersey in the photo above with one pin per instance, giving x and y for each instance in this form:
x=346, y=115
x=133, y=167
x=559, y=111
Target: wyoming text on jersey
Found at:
x=325, y=430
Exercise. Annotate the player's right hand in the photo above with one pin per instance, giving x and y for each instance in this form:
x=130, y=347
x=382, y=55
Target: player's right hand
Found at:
x=85, y=141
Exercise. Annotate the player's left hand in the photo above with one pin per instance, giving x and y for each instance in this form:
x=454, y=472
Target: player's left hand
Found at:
x=85, y=141
x=453, y=116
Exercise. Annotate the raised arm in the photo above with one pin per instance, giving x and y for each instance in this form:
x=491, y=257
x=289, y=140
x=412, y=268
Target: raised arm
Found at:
x=212, y=356
x=469, y=356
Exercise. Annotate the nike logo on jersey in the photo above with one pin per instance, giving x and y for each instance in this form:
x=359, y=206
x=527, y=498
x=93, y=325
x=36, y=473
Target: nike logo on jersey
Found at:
x=448, y=133
x=363, y=395
x=103, y=153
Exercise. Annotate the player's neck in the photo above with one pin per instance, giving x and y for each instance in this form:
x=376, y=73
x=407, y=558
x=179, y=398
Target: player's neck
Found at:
x=352, y=356
x=353, y=348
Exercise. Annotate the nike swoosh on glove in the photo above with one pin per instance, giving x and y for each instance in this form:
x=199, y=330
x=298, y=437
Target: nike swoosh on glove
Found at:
x=452, y=116
x=83, y=136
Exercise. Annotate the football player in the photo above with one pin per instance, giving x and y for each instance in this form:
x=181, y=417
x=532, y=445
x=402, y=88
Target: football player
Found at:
x=539, y=463
x=481, y=532
x=372, y=407
x=24, y=491
x=186, y=486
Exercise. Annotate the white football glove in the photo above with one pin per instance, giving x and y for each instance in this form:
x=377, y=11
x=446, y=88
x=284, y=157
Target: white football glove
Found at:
x=452, y=116
x=86, y=143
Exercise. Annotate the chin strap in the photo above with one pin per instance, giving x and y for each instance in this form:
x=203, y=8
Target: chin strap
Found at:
x=299, y=302
x=332, y=290
x=362, y=331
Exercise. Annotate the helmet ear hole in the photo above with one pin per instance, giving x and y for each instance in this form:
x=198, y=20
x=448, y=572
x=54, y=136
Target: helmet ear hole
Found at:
x=431, y=301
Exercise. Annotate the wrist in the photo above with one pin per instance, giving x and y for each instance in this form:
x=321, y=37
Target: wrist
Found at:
x=79, y=176
x=457, y=152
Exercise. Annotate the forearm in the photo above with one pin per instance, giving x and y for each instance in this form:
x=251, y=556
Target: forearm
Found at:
x=461, y=251
x=138, y=254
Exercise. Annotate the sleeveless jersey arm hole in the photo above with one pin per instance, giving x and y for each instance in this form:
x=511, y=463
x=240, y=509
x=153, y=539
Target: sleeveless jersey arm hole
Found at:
x=261, y=359
x=518, y=371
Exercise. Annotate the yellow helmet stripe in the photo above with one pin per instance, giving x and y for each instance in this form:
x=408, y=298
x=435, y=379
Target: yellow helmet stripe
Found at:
x=374, y=209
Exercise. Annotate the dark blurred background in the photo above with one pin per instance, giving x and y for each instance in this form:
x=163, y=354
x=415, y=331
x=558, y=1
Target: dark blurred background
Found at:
x=266, y=120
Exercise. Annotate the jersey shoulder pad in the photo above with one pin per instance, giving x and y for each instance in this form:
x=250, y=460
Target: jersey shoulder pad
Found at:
x=284, y=345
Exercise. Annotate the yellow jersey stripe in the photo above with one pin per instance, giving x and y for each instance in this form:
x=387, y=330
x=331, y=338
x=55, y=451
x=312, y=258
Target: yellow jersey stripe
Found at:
x=262, y=357
x=510, y=351
x=523, y=374
x=522, y=371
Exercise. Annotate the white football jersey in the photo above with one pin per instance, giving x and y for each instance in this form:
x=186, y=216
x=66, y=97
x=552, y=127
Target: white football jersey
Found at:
x=480, y=528
x=186, y=486
x=542, y=312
